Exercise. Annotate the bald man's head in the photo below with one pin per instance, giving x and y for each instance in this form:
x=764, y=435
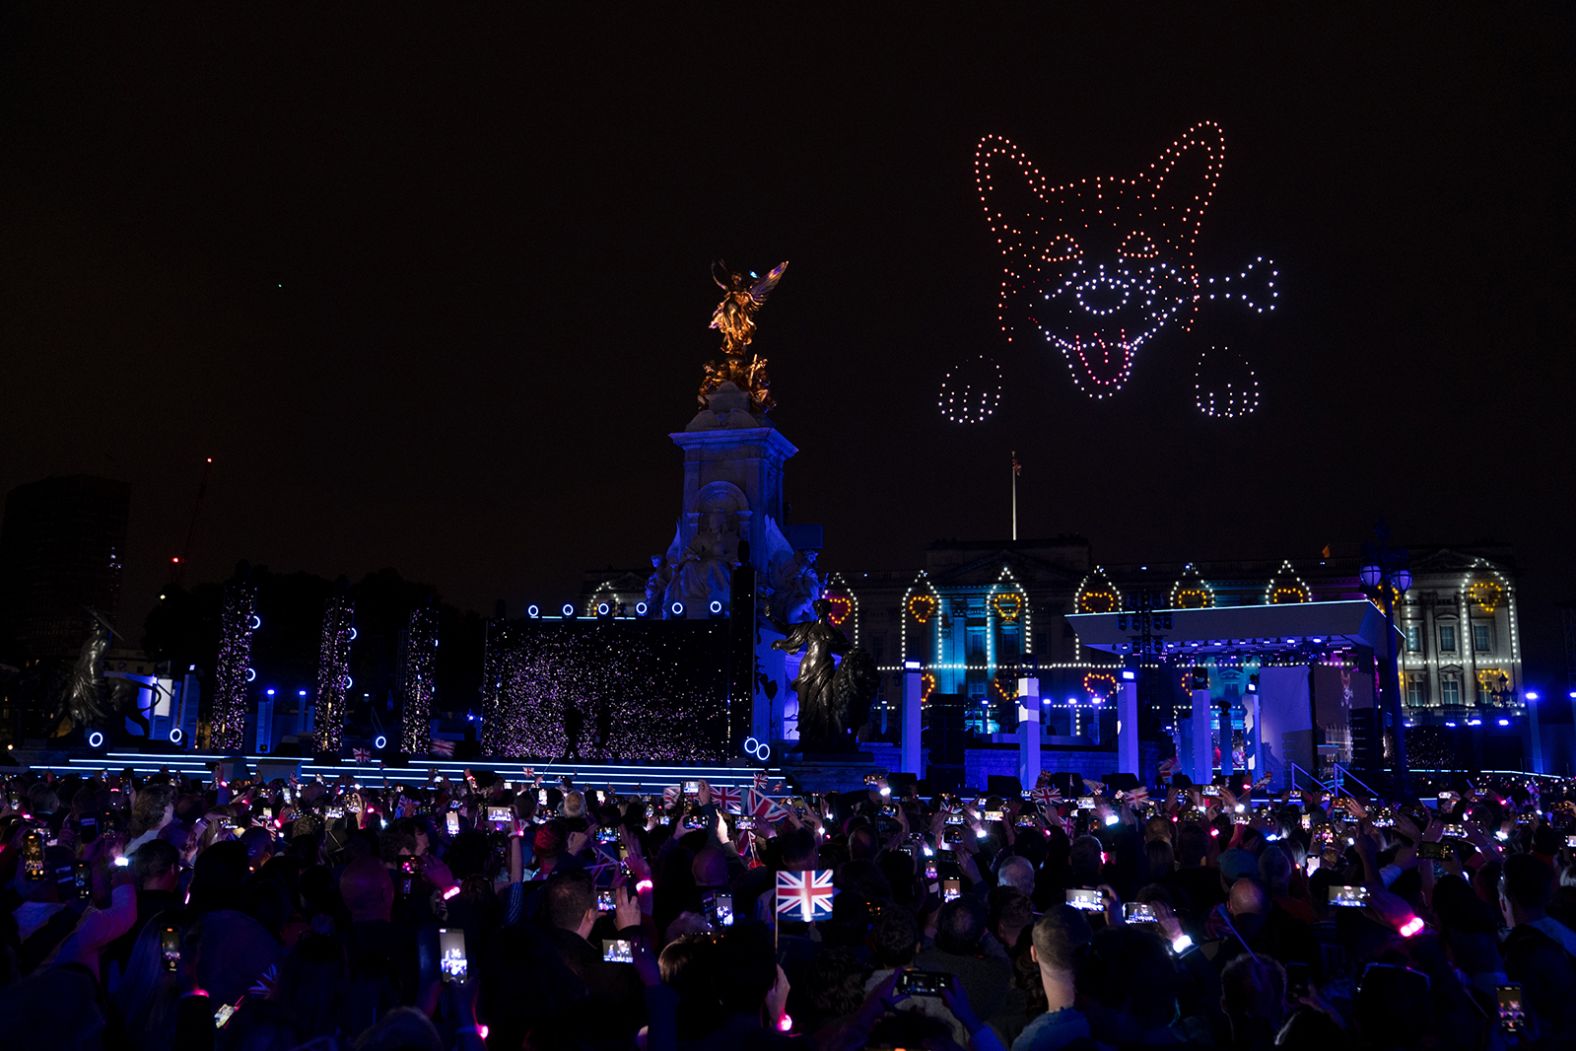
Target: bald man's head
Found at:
x=368, y=891
x=1017, y=873
x=1247, y=898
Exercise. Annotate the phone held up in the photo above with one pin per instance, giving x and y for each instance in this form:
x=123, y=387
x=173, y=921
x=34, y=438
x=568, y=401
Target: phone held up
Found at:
x=452, y=961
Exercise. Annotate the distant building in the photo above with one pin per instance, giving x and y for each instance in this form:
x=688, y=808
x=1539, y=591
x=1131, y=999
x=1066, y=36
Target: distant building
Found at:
x=982, y=614
x=61, y=550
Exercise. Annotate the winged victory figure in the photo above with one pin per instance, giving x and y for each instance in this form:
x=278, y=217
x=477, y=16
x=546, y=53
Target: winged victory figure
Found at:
x=734, y=317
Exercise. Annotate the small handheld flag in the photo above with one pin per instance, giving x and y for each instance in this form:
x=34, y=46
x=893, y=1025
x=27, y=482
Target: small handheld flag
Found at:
x=808, y=893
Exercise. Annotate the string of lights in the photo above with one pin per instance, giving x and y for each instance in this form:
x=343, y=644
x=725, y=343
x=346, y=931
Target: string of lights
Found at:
x=845, y=605
x=333, y=672
x=1279, y=590
x=233, y=671
x=1191, y=591
x=417, y=681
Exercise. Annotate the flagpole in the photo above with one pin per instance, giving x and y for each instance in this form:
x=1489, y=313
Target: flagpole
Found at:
x=1015, y=497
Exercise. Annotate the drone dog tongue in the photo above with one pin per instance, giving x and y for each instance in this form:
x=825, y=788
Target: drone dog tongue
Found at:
x=1106, y=363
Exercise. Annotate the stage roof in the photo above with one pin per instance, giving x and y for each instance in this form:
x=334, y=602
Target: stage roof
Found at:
x=1290, y=627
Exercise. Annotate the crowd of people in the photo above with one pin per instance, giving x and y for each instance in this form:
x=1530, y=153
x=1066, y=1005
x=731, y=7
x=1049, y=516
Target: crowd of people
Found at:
x=155, y=912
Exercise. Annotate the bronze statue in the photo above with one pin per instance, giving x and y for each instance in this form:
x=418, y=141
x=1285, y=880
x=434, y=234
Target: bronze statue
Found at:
x=821, y=723
x=734, y=317
x=90, y=697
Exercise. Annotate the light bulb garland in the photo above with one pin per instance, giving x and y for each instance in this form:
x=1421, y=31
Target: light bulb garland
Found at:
x=1100, y=309
x=922, y=607
x=333, y=673
x=1007, y=604
x=1191, y=591
x=1286, y=586
x=233, y=668
x=1486, y=594
x=845, y=605
x=920, y=603
x=1100, y=685
x=1097, y=595
x=417, y=681
x=927, y=686
x=971, y=391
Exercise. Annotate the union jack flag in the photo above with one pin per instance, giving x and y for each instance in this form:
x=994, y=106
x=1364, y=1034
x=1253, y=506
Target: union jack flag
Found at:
x=530, y=774
x=443, y=747
x=761, y=780
x=759, y=805
x=1096, y=788
x=1047, y=796
x=727, y=799
x=1166, y=769
x=808, y=893
x=671, y=794
x=1133, y=796
x=361, y=755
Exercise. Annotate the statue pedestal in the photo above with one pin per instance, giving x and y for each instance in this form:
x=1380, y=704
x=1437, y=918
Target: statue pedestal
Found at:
x=828, y=771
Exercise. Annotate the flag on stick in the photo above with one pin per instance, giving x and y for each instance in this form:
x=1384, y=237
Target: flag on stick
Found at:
x=808, y=893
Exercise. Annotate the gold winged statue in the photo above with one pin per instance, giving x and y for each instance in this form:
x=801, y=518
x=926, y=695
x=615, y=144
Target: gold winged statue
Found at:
x=743, y=295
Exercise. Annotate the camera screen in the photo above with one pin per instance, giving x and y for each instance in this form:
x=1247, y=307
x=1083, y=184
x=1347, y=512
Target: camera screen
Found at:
x=499, y=817
x=723, y=906
x=605, y=901
x=170, y=949
x=451, y=820
x=1085, y=899
x=617, y=950
x=691, y=787
x=951, y=888
x=921, y=983
x=1349, y=897
x=1138, y=912
x=1455, y=831
x=33, y=855
x=1086, y=802
x=1512, y=1018
x=992, y=815
x=451, y=954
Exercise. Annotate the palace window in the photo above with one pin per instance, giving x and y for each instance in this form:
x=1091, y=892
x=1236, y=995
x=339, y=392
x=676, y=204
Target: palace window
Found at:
x=1483, y=638
x=1447, y=638
x=1414, y=691
x=1414, y=638
x=1450, y=692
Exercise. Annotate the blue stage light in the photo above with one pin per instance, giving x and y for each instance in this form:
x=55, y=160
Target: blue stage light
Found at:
x=533, y=611
x=96, y=739
x=569, y=609
x=353, y=633
x=251, y=675
x=603, y=609
x=716, y=607
x=176, y=736
x=640, y=609
x=269, y=691
x=677, y=609
x=256, y=622
x=380, y=742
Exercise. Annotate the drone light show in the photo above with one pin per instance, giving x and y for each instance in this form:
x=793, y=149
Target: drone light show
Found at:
x=1102, y=267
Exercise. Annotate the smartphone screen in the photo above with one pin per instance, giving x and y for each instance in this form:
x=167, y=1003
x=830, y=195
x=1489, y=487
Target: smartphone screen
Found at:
x=724, y=908
x=500, y=818
x=1138, y=912
x=541, y=797
x=451, y=821
x=82, y=877
x=617, y=950
x=1085, y=899
x=691, y=787
x=605, y=901
x=1349, y=897
x=930, y=868
x=170, y=949
x=921, y=983
x=1512, y=1018
x=33, y=855
x=451, y=954
x=951, y=888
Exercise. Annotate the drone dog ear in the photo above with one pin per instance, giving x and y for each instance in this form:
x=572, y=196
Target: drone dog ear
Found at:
x=1011, y=188
x=1184, y=180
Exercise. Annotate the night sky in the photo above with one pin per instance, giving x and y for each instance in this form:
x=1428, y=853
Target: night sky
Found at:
x=434, y=291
